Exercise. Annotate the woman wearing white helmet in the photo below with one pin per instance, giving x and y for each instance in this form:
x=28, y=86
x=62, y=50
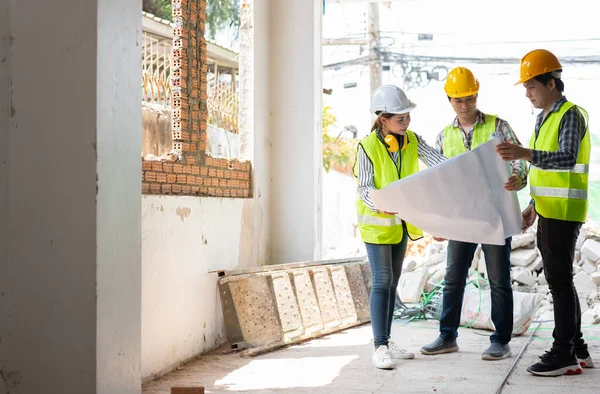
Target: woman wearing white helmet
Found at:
x=388, y=153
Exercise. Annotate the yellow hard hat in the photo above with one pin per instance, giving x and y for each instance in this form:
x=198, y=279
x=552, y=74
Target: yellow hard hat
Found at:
x=461, y=83
x=537, y=62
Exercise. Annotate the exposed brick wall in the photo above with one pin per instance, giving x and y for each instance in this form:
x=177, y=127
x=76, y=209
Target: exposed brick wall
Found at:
x=195, y=172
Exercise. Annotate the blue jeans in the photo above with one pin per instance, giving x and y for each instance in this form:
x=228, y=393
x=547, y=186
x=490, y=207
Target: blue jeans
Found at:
x=386, y=265
x=497, y=261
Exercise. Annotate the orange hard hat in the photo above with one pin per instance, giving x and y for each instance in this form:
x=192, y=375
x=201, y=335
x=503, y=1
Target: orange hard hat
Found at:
x=537, y=62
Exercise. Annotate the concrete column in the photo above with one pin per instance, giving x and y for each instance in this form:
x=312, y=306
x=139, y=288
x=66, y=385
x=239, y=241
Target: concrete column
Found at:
x=70, y=145
x=295, y=129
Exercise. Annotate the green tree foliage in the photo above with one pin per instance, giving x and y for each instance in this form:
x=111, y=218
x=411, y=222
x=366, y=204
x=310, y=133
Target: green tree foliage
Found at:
x=337, y=153
x=161, y=8
x=220, y=14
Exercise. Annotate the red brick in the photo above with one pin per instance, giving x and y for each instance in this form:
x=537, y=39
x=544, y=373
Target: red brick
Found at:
x=219, y=192
x=212, y=191
x=212, y=172
x=146, y=165
x=166, y=188
x=186, y=190
x=161, y=177
x=219, y=173
x=168, y=168
x=195, y=170
x=191, y=179
x=150, y=176
x=177, y=168
x=202, y=146
x=204, y=171
x=195, y=189
x=176, y=188
x=171, y=178
x=155, y=188
x=145, y=187
x=187, y=169
x=204, y=190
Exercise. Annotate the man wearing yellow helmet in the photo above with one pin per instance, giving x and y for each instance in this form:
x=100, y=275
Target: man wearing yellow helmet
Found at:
x=559, y=153
x=471, y=128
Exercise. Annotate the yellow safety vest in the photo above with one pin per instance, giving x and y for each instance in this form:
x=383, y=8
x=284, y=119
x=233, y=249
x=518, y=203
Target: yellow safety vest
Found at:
x=378, y=228
x=453, y=144
x=560, y=194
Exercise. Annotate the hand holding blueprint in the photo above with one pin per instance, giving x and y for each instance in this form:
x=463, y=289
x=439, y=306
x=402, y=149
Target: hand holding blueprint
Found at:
x=462, y=199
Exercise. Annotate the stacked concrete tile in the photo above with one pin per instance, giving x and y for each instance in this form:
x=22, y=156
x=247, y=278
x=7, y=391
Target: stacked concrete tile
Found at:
x=279, y=305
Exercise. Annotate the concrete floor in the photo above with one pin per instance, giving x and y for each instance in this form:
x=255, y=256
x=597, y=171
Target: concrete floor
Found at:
x=341, y=363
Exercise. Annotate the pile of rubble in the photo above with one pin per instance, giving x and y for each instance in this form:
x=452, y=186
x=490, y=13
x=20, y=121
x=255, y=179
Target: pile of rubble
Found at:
x=425, y=266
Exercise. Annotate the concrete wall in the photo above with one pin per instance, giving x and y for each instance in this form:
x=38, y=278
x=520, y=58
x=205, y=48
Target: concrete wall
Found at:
x=118, y=189
x=183, y=238
x=295, y=124
x=70, y=201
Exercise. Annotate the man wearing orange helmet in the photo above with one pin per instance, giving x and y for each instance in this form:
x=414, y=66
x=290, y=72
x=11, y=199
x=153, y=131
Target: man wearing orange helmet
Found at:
x=559, y=153
x=471, y=128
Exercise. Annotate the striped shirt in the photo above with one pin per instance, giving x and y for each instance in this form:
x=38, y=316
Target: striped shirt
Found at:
x=365, y=168
x=571, y=131
x=503, y=130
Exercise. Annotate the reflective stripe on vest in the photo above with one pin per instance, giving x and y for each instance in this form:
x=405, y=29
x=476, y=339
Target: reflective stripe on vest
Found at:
x=378, y=228
x=454, y=145
x=560, y=193
x=577, y=169
x=379, y=221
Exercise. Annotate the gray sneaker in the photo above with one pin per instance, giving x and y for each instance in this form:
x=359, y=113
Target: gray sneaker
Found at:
x=440, y=346
x=496, y=351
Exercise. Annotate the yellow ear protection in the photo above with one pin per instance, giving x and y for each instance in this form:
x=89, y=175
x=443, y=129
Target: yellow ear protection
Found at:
x=392, y=142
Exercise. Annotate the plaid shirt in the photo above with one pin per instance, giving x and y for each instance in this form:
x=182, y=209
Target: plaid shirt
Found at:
x=570, y=133
x=426, y=153
x=503, y=130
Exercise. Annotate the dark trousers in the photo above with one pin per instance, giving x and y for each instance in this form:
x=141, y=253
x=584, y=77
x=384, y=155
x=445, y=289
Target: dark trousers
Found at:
x=497, y=261
x=556, y=241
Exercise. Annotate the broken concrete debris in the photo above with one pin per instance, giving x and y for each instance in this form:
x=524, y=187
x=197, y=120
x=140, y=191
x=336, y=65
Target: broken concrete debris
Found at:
x=425, y=265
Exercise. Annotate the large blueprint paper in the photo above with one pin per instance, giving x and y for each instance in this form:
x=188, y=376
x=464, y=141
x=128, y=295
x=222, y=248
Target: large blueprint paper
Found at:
x=462, y=199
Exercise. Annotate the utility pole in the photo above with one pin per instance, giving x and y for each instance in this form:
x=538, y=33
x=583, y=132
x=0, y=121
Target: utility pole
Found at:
x=374, y=47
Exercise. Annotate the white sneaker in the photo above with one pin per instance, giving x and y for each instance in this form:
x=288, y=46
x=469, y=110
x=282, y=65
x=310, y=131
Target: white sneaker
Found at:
x=399, y=353
x=381, y=358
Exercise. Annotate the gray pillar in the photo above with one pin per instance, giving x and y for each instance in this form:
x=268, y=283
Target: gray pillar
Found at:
x=70, y=145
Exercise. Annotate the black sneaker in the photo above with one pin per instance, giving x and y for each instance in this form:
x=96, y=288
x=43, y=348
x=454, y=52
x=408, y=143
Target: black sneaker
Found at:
x=440, y=346
x=583, y=358
x=554, y=363
x=496, y=351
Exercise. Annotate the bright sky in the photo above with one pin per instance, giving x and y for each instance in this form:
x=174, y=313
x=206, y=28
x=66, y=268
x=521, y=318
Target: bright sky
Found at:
x=508, y=30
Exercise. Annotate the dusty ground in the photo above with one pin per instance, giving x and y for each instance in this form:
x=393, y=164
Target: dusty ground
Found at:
x=340, y=363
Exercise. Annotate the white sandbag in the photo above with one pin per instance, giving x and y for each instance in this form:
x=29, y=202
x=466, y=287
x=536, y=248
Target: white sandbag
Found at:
x=477, y=309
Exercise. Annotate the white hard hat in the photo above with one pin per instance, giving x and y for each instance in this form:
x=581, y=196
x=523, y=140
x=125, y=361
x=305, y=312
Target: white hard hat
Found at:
x=391, y=99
